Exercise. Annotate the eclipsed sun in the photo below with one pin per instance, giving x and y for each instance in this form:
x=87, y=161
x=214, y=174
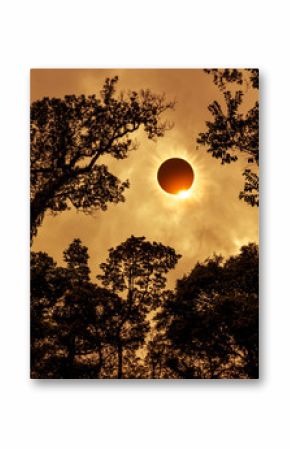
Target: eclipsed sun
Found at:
x=176, y=176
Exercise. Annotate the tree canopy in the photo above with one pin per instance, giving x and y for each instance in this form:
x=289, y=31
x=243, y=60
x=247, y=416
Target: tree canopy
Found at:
x=132, y=327
x=136, y=271
x=69, y=135
x=80, y=329
x=231, y=133
x=211, y=323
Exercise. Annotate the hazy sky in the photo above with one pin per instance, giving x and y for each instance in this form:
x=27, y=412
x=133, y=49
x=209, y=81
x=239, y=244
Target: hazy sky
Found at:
x=211, y=220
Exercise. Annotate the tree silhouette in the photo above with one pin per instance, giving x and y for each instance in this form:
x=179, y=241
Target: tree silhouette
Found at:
x=75, y=312
x=48, y=284
x=82, y=330
x=68, y=136
x=76, y=258
x=135, y=270
x=160, y=352
x=134, y=328
x=65, y=318
x=232, y=133
x=211, y=323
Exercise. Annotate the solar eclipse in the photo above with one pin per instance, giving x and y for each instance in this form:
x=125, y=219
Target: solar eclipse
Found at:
x=176, y=176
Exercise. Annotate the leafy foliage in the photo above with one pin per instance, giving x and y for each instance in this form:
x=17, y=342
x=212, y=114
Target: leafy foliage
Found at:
x=76, y=257
x=134, y=328
x=48, y=284
x=68, y=320
x=232, y=133
x=68, y=136
x=212, y=321
x=79, y=329
x=139, y=267
x=136, y=271
x=221, y=77
x=250, y=194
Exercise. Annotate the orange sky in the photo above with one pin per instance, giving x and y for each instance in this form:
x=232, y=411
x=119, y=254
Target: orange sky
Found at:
x=211, y=220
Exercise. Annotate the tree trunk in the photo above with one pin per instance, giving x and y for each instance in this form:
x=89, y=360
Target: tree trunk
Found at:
x=153, y=370
x=39, y=204
x=252, y=366
x=100, y=363
x=120, y=360
x=69, y=374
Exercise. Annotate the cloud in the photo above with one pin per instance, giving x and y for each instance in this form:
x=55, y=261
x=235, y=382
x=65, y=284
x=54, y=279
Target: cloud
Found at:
x=212, y=220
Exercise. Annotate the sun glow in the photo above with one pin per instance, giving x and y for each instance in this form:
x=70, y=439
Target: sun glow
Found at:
x=192, y=195
x=183, y=194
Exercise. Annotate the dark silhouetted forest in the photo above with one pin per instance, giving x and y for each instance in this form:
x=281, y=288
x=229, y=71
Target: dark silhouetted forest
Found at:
x=130, y=326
